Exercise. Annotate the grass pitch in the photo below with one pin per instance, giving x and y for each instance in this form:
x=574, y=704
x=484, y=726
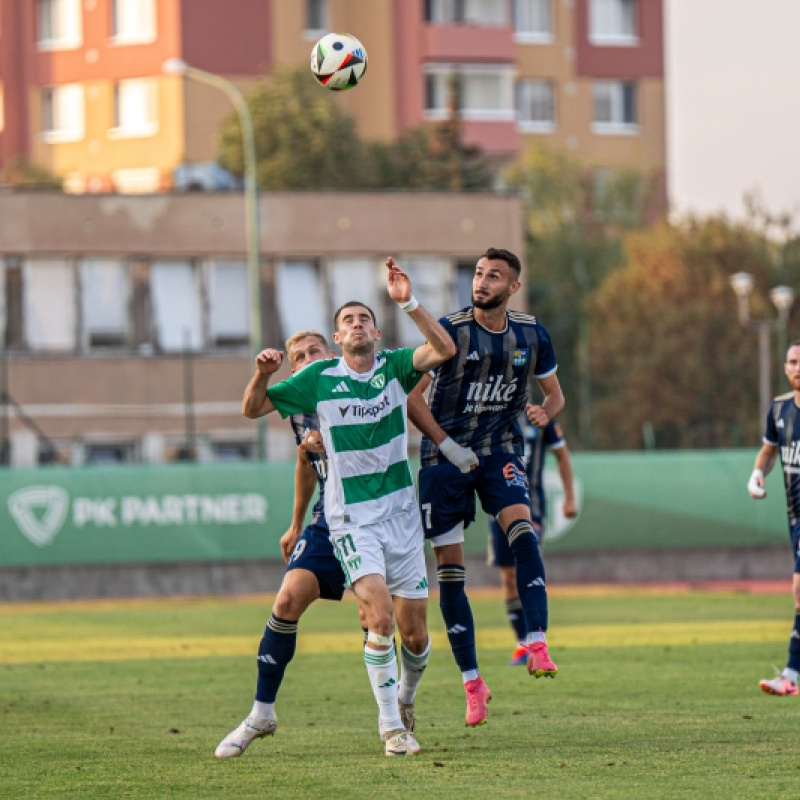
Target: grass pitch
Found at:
x=656, y=697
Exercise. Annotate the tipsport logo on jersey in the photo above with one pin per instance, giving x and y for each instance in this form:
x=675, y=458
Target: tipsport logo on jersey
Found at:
x=493, y=395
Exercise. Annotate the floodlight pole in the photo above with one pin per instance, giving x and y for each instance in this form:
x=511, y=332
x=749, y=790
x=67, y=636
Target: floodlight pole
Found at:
x=782, y=297
x=176, y=66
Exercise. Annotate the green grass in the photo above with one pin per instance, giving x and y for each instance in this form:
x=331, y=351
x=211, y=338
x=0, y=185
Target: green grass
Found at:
x=644, y=721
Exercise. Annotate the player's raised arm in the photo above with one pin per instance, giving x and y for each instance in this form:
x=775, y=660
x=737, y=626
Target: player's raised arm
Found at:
x=438, y=345
x=255, y=402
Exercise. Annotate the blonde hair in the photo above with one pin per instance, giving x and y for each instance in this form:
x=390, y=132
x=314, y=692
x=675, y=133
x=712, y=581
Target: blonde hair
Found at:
x=299, y=336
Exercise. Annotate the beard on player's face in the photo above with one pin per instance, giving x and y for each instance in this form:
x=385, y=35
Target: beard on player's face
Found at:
x=488, y=302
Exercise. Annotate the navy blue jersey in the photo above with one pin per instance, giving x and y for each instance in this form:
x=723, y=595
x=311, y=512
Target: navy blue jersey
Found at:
x=300, y=424
x=477, y=395
x=783, y=430
x=537, y=442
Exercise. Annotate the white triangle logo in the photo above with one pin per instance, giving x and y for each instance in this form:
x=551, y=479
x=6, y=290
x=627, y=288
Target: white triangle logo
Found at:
x=39, y=512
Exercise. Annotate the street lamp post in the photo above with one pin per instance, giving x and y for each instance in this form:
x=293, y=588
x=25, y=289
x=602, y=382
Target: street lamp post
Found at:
x=176, y=66
x=782, y=297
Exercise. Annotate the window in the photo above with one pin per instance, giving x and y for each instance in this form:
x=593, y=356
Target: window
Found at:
x=615, y=107
x=59, y=24
x=133, y=21
x=135, y=108
x=62, y=113
x=485, y=92
x=106, y=453
x=431, y=279
x=471, y=12
x=49, y=304
x=612, y=22
x=317, y=15
x=533, y=20
x=354, y=279
x=299, y=296
x=465, y=272
x=177, y=307
x=536, y=112
x=232, y=450
x=105, y=293
x=229, y=312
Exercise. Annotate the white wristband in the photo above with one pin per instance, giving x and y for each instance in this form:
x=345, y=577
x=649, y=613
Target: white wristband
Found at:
x=752, y=486
x=410, y=304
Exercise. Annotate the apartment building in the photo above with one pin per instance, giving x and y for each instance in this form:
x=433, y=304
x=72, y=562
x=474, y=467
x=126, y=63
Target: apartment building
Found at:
x=84, y=93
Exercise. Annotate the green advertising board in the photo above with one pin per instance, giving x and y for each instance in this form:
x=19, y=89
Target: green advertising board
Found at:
x=141, y=514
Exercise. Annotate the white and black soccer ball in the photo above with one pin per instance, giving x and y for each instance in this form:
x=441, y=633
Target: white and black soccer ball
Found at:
x=338, y=61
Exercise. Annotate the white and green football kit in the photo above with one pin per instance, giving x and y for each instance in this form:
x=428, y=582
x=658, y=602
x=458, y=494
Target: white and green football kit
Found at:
x=370, y=501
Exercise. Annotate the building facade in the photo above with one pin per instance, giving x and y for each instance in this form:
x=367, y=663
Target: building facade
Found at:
x=84, y=93
x=124, y=320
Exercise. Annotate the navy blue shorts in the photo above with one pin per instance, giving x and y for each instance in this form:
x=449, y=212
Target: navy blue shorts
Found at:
x=500, y=554
x=314, y=552
x=794, y=535
x=447, y=495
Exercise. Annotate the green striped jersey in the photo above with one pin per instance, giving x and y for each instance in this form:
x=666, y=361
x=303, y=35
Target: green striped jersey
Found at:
x=363, y=424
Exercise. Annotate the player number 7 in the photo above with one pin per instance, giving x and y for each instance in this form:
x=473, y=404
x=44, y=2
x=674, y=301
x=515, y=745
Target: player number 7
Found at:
x=426, y=507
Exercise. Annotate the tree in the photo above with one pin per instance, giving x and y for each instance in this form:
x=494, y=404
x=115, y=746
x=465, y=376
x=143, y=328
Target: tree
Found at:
x=576, y=218
x=433, y=157
x=303, y=139
x=668, y=354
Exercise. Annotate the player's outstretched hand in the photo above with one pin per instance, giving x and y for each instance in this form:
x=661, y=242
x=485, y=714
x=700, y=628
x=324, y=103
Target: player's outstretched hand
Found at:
x=537, y=416
x=755, y=486
x=462, y=457
x=398, y=282
x=269, y=361
x=570, y=509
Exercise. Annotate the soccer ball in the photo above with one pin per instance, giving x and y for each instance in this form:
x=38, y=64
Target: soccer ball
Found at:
x=338, y=61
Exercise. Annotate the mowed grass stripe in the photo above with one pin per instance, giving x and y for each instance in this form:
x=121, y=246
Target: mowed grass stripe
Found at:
x=111, y=648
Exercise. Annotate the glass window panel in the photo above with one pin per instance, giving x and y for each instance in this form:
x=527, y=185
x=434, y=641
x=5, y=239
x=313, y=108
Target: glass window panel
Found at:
x=62, y=112
x=316, y=15
x=536, y=102
x=229, y=301
x=486, y=12
x=176, y=306
x=353, y=279
x=301, y=302
x=430, y=278
x=482, y=92
x=615, y=104
x=135, y=106
x=49, y=305
x=105, y=292
x=133, y=20
x=59, y=23
x=534, y=18
x=612, y=20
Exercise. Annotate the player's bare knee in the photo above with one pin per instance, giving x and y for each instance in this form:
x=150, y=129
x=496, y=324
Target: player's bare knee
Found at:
x=294, y=598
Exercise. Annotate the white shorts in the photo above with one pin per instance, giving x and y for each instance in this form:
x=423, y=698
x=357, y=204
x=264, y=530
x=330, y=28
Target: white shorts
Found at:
x=393, y=549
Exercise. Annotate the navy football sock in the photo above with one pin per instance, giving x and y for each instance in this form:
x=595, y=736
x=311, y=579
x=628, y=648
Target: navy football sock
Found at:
x=516, y=618
x=531, y=586
x=794, y=645
x=274, y=653
x=457, y=615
